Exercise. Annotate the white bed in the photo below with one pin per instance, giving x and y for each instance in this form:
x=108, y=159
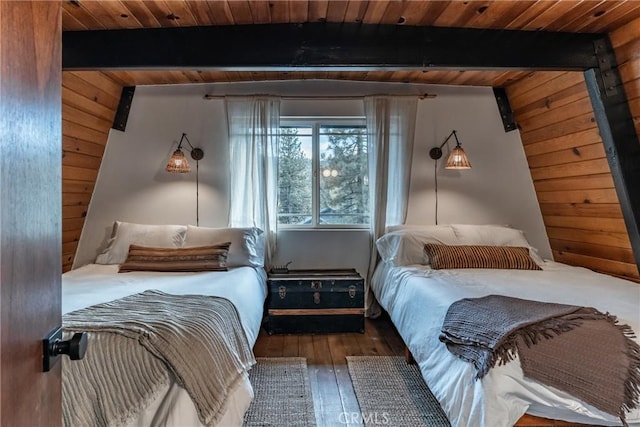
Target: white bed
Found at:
x=417, y=298
x=244, y=286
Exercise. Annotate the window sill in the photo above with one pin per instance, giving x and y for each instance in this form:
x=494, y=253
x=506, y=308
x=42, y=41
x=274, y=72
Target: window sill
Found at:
x=320, y=229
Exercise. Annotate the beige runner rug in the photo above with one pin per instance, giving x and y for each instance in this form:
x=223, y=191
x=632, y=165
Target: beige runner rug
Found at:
x=392, y=392
x=282, y=393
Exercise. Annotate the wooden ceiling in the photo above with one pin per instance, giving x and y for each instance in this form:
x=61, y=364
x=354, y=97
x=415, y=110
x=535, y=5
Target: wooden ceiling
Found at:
x=588, y=16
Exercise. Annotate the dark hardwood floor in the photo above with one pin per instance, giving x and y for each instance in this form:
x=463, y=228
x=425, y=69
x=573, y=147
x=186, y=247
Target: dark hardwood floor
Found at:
x=334, y=399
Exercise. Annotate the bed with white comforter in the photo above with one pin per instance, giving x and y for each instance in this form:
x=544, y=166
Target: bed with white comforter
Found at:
x=243, y=285
x=417, y=298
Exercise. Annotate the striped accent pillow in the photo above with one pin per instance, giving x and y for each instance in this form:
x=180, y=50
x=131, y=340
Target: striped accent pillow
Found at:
x=199, y=258
x=479, y=256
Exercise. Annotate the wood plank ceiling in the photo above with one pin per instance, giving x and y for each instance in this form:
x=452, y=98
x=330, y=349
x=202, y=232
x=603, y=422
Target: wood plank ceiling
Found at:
x=543, y=15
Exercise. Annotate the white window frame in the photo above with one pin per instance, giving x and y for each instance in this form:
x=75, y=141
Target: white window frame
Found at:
x=315, y=123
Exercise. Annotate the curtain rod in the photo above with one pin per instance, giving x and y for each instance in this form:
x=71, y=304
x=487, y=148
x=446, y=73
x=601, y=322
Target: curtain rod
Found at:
x=323, y=97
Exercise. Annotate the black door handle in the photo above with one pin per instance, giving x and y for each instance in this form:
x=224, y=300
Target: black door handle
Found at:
x=54, y=346
x=75, y=348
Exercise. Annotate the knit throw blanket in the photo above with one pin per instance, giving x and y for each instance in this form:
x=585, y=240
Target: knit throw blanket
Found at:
x=137, y=344
x=555, y=343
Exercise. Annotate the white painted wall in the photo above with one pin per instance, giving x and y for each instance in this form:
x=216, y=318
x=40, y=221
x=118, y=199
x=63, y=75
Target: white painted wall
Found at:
x=497, y=189
x=133, y=186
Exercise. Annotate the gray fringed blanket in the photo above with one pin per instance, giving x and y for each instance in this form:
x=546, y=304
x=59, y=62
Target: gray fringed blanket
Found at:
x=555, y=343
x=139, y=343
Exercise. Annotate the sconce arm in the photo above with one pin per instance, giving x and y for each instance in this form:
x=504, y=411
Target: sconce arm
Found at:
x=196, y=153
x=436, y=152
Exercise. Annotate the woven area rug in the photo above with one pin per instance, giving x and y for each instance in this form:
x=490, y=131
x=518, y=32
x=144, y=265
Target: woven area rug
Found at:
x=282, y=393
x=392, y=392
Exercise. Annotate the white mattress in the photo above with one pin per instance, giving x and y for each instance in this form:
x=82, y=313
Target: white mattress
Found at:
x=245, y=287
x=417, y=298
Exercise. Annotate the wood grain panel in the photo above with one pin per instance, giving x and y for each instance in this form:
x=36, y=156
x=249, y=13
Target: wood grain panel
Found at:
x=71, y=186
x=601, y=210
x=563, y=142
x=30, y=78
x=77, y=116
x=571, y=173
x=73, y=223
x=85, y=133
x=531, y=82
x=541, y=86
x=569, y=155
x=592, y=250
x=79, y=101
x=572, y=125
x=89, y=101
x=81, y=160
x=614, y=225
x=553, y=100
x=612, y=267
x=79, y=85
x=617, y=240
x=579, y=168
x=555, y=114
x=75, y=145
x=607, y=195
x=71, y=199
x=575, y=183
x=629, y=69
x=81, y=174
x=629, y=33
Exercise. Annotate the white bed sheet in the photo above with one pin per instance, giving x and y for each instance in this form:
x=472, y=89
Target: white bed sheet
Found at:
x=245, y=287
x=417, y=298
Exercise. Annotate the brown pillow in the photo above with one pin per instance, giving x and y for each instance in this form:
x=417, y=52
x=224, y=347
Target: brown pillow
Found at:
x=199, y=258
x=478, y=256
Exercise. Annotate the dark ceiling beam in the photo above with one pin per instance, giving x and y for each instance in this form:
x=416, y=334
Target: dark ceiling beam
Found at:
x=325, y=46
x=619, y=136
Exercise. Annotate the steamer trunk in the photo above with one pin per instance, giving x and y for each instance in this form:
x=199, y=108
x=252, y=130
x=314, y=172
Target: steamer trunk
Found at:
x=316, y=301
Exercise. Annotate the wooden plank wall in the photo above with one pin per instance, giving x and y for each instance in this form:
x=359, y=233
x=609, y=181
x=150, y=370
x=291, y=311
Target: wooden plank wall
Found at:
x=89, y=103
x=568, y=165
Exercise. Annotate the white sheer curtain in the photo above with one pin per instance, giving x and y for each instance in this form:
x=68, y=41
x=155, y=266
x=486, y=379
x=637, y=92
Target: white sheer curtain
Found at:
x=390, y=132
x=254, y=127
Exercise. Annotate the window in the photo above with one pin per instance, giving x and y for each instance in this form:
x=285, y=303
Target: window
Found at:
x=322, y=177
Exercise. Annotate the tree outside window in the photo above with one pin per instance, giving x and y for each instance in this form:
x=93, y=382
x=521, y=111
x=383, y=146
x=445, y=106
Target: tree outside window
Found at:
x=323, y=179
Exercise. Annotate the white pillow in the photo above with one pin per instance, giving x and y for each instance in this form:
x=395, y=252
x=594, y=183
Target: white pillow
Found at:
x=405, y=246
x=247, y=244
x=127, y=233
x=494, y=235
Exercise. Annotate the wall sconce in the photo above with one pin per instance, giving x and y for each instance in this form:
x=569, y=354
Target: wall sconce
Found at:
x=178, y=164
x=457, y=158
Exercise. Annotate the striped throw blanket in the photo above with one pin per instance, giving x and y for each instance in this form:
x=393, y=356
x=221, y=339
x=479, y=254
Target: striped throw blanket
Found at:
x=137, y=344
x=556, y=344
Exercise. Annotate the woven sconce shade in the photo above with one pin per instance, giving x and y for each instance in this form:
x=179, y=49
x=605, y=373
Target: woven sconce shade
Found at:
x=458, y=159
x=178, y=163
